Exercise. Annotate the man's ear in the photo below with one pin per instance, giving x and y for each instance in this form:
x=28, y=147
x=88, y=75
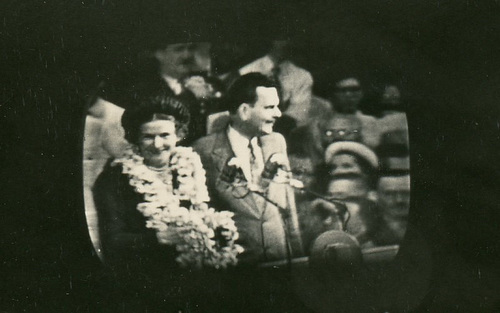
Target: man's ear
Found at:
x=244, y=111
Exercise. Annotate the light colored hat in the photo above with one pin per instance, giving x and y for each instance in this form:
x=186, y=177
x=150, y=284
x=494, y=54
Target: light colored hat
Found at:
x=353, y=147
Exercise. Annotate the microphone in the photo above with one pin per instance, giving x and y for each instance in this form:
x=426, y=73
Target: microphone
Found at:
x=339, y=206
x=275, y=162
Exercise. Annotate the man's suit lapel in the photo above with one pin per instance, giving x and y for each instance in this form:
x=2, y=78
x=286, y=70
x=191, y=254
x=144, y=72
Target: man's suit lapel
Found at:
x=222, y=151
x=221, y=154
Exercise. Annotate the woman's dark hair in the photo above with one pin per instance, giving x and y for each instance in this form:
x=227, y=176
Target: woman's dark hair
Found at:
x=244, y=90
x=162, y=106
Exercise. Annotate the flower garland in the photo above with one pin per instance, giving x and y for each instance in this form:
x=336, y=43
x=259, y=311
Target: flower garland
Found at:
x=207, y=237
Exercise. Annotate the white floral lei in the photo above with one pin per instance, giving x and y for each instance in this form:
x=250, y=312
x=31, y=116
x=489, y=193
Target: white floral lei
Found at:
x=201, y=228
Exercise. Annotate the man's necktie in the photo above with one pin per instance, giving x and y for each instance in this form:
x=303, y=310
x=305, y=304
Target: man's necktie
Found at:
x=256, y=160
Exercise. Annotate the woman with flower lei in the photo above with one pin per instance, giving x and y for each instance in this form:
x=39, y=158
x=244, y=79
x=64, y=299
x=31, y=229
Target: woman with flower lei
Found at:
x=152, y=201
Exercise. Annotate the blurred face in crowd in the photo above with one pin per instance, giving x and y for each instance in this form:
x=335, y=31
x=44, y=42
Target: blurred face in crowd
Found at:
x=156, y=142
x=394, y=196
x=341, y=128
x=391, y=97
x=258, y=119
x=344, y=163
x=177, y=60
x=302, y=169
x=324, y=216
x=396, y=163
x=347, y=95
x=348, y=188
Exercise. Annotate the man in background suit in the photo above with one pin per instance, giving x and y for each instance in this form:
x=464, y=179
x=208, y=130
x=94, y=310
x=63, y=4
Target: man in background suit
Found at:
x=243, y=163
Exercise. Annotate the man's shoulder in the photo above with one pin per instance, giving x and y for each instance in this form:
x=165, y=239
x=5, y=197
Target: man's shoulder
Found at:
x=365, y=117
x=296, y=70
x=201, y=145
x=273, y=139
x=274, y=136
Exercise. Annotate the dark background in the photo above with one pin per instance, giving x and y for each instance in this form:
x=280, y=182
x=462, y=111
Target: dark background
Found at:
x=445, y=55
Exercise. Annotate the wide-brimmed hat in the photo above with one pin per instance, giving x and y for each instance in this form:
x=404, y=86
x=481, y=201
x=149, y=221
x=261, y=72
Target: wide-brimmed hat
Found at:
x=354, y=148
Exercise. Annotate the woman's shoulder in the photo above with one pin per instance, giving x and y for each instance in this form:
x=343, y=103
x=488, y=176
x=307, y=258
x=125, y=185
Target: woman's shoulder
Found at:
x=110, y=181
x=111, y=169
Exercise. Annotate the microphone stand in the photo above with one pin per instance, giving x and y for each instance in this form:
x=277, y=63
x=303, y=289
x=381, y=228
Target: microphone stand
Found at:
x=336, y=201
x=284, y=214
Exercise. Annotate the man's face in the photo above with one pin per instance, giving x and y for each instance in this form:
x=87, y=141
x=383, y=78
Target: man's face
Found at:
x=177, y=60
x=263, y=114
x=302, y=169
x=347, y=188
x=394, y=196
x=156, y=141
x=344, y=164
x=341, y=128
x=348, y=94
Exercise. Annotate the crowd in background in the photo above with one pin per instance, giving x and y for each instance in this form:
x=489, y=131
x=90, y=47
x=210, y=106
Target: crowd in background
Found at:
x=341, y=147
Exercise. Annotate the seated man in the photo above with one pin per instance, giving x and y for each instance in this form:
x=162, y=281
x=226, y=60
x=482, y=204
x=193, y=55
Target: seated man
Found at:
x=242, y=163
x=394, y=204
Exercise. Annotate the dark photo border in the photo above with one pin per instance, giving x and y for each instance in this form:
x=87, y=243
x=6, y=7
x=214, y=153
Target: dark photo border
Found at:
x=446, y=55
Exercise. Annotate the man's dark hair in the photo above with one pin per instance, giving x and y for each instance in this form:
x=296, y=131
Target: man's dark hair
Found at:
x=243, y=90
x=162, y=106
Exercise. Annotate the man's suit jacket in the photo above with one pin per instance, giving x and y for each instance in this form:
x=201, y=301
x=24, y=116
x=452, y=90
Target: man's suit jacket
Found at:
x=260, y=225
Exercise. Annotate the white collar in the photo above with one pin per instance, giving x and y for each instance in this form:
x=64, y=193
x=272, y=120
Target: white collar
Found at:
x=238, y=141
x=264, y=65
x=173, y=83
x=240, y=146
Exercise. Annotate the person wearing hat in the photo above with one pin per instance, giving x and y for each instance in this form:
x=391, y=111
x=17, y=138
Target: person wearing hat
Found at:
x=310, y=141
x=345, y=157
x=165, y=64
x=353, y=170
x=160, y=69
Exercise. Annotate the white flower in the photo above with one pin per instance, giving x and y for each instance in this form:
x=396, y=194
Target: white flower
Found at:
x=198, y=223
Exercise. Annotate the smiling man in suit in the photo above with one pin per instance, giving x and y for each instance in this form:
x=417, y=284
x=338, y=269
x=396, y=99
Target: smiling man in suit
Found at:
x=243, y=163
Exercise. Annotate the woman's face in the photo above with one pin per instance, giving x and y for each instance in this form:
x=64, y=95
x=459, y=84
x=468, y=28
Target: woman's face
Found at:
x=344, y=164
x=156, y=141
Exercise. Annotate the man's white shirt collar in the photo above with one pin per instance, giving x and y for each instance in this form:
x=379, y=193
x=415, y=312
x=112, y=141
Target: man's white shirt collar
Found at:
x=174, y=84
x=264, y=65
x=240, y=145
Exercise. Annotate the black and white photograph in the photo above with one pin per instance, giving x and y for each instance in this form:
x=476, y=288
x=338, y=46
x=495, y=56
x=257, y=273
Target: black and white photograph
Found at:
x=250, y=156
